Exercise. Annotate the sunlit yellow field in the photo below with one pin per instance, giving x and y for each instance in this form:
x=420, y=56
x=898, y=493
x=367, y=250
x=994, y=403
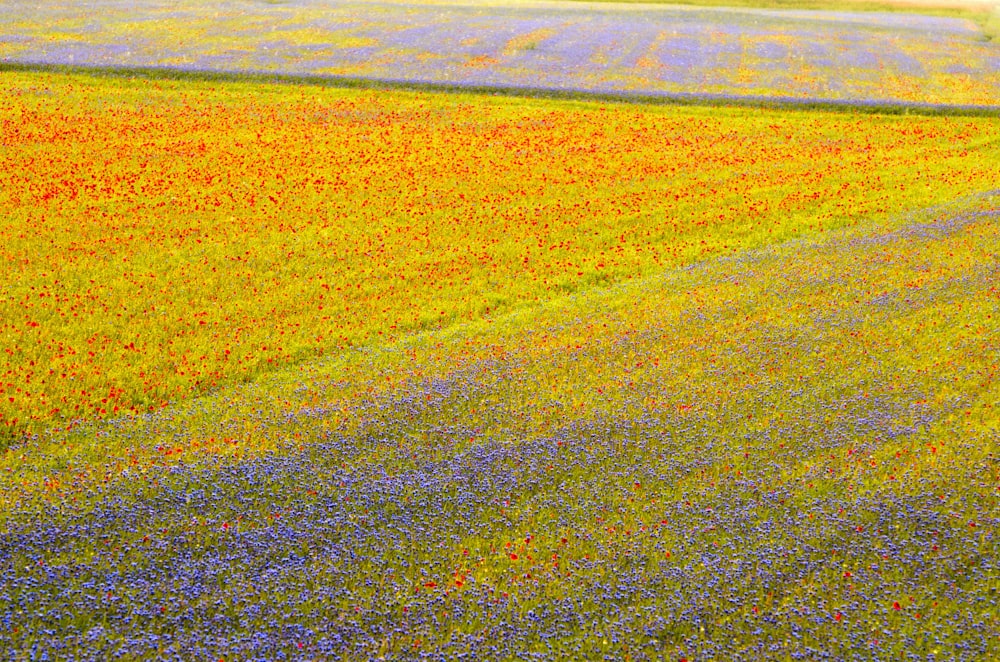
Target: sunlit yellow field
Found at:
x=164, y=238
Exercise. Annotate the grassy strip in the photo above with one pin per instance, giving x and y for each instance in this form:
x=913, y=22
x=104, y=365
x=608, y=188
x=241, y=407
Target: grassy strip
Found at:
x=945, y=9
x=983, y=16
x=358, y=83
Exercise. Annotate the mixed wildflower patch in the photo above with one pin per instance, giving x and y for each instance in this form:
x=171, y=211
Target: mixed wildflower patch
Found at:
x=790, y=452
x=866, y=58
x=294, y=372
x=163, y=240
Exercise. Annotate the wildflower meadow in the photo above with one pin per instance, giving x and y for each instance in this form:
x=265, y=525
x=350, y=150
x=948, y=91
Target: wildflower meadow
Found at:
x=303, y=369
x=944, y=57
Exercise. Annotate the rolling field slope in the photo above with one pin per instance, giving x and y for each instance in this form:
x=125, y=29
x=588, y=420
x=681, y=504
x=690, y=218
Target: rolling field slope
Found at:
x=405, y=375
x=163, y=239
x=790, y=452
x=945, y=55
x=291, y=369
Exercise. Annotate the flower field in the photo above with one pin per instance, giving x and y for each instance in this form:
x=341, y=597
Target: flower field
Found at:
x=547, y=386
x=592, y=47
x=293, y=371
x=159, y=243
x=790, y=452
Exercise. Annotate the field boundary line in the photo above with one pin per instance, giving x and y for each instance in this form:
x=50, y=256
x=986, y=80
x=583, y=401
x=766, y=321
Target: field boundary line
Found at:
x=874, y=107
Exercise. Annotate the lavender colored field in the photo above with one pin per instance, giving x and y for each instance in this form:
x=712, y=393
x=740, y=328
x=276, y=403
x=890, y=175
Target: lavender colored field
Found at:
x=647, y=49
